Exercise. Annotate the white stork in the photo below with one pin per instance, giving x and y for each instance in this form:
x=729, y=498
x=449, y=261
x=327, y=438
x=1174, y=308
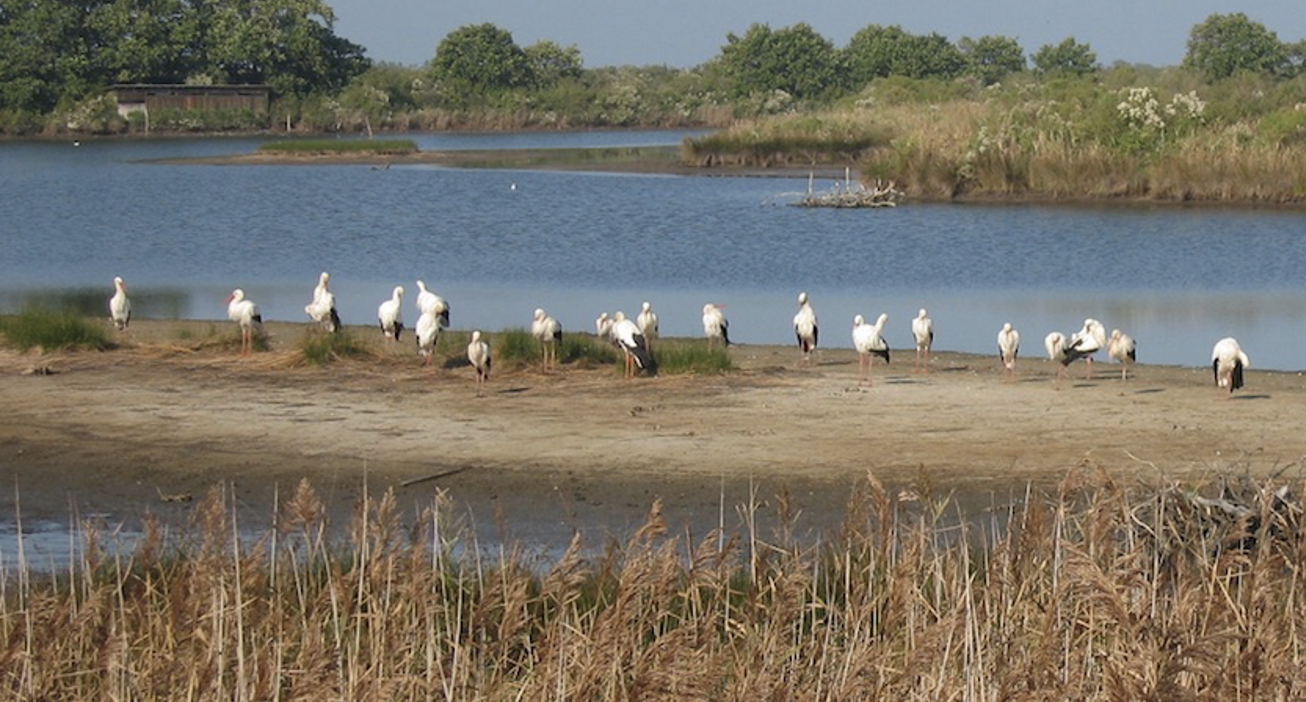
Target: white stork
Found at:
x=1088, y=341
x=715, y=325
x=428, y=335
x=805, y=328
x=868, y=340
x=428, y=301
x=120, y=308
x=1063, y=351
x=478, y=352
x=1008, y=348
x=549, y=333
x=323, y=307
x=390, y=315
x=922, y=328
x=633, y=345
x=1122, y=349
x=244, y=313
x=647, y=321
x=1228, y=362
x=603, y=327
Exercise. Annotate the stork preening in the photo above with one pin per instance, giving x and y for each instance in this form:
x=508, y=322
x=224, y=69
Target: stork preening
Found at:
x=428, y=301
x=603, y=327
x=323, y=307
x=1064, y=351
x=478, y=353
x=647, y=321
x=548, y=332
x=715, y=325
x=1088, y=341
x=868, y=339
x=120, y=308
x=428, y=335
x=922, y=329
x=1008, y=349
x=390, y=315
x=1228, y=362
x=244, y=313
x=1122, y=349
x=805, y=327
x=633, y=345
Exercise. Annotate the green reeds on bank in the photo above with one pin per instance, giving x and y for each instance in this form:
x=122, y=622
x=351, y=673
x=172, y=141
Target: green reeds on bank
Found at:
x=52, y=329
x=1092, y=592
x=339, y=146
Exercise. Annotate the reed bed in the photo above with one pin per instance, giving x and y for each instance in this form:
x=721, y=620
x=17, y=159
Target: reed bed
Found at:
x=1094, y=592
x=52, y=329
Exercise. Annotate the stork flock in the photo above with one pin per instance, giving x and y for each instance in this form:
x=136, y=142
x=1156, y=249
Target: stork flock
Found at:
x=635, y=337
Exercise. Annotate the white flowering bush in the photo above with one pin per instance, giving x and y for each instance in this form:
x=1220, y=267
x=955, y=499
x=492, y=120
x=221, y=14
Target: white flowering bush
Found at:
x=1149, y=125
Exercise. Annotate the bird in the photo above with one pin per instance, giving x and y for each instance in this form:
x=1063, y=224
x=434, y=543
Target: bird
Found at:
x=647, y=321
x=245, y=313
x=120, y=308
x=805, y=327
x=1088, y=341
x=1008, y=348
x=633, y=345
x=478, y=352
x=868, y=340
x=603, y=327
x=1063, y=351
x=715, y=325
x=922, y=328
x=323, y=307
x=1228, y=362
x=1121, y=348
x=428, y=335
x=390, y=316
x=429, y=301
x=549, y=333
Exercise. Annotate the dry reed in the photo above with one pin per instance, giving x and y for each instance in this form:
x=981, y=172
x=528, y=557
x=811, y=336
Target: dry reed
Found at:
x=1096, y=592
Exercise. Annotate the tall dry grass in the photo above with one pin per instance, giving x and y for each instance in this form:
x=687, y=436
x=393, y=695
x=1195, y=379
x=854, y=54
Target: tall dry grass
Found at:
x=1096, y=592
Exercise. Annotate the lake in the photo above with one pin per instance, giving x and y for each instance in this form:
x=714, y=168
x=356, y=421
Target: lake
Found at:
x=499, y=243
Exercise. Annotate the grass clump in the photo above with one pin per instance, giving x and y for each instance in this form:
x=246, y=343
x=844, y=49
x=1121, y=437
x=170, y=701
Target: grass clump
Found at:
x=515, y=344
x=586, y=349
x=678, y=356
x=320, y=347
x=53, y=329
x=340, y=146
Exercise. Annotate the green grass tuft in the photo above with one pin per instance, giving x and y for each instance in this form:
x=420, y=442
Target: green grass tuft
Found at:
x=340, y=146
x=678, y=356
x=515, y=344
x=320, y=347
x=47, y=329
x=584, y=347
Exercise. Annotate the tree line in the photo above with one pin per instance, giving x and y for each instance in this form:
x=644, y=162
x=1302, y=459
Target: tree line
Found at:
x=58, y=55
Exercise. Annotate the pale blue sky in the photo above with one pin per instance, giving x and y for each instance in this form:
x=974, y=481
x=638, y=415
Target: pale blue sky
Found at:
x=684, y=33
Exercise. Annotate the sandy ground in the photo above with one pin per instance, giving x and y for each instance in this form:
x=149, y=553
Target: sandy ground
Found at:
x=171, y=413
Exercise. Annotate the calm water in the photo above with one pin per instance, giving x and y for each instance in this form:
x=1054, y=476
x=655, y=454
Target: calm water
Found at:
x=498, y=243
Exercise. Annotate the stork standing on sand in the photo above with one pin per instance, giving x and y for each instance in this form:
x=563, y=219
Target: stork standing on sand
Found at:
x=478, y=353
x=548, y=331
x=1122, y=349
x=869, y=340
x=715, y=325
x=244, y=313
x=323, y=307
x=390, y=315
x=922, y=329
x=1088, y=341
x=428, y=301
x=1063, y=351
x=120, y=308
x=647, y=321
x=1228, y=362
x=805, y=327
x=633, y=345
x=1008, y=348
x=428, y=335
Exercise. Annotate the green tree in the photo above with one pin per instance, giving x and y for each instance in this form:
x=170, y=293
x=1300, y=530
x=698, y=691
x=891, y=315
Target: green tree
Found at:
x=876, y=51
x=794, y=59
x=550, y=63
x=991, y=58
x=145, y=40
x=288, y=44
x=1069, y=57
x=1226, y=44
x=481, y=59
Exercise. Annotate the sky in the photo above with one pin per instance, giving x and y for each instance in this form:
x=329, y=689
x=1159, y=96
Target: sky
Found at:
x=686, y=33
